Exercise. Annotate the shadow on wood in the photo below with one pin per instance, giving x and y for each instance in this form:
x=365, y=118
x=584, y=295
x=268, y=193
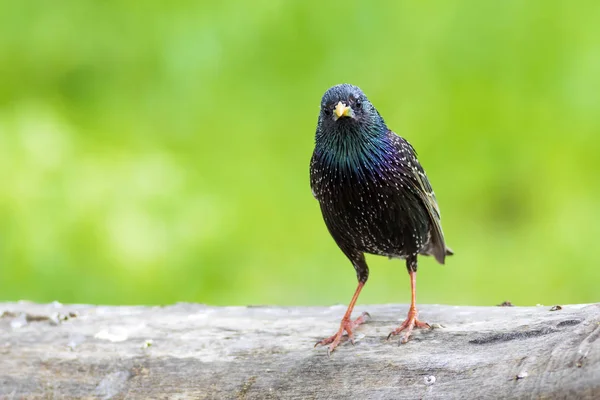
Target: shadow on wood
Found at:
x=195, y=351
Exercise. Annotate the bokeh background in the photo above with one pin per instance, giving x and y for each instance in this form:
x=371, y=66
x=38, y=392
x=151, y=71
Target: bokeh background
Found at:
x=155, y=152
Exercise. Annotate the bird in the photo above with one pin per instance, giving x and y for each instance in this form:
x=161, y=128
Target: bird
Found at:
x=374, y=196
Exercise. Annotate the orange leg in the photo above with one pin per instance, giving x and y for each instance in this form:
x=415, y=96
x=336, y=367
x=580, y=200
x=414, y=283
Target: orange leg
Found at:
x=346, y=325
x=411, y=320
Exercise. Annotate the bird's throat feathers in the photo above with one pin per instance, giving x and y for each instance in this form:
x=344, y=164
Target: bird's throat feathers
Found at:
x=354, y=148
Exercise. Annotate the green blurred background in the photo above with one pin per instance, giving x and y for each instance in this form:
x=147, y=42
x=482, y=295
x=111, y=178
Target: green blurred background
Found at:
x=154, y=152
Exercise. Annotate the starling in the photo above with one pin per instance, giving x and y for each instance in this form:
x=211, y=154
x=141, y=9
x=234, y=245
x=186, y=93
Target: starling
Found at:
x=374, y=196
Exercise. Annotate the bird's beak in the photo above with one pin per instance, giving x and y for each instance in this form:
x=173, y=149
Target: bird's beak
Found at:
x=342, y=110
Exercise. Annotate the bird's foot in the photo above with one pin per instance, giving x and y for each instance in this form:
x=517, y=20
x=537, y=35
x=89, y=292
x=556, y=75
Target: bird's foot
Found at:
x=409, y=323
x=346, y=325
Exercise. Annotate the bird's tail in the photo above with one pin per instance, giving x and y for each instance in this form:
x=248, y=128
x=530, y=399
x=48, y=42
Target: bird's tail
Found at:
x=440, y=250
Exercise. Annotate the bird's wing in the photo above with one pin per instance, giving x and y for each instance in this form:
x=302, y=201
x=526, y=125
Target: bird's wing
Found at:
x=418, y=181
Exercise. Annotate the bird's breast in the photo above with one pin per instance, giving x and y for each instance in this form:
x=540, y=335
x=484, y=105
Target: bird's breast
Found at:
x=370, y=211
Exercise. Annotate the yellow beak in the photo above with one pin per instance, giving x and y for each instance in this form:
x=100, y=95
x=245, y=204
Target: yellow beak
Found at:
x=341, y=110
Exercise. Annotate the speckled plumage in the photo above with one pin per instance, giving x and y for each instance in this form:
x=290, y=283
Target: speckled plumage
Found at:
x=374, y=195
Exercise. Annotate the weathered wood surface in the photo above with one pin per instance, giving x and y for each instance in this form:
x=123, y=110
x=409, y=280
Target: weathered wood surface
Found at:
x=77, y=351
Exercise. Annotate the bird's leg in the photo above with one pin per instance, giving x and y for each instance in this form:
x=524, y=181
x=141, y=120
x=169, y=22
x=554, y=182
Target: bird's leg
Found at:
x=411, y=320
x=347, y=324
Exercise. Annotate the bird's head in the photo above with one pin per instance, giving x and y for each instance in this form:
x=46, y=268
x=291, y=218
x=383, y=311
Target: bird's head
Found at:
x=345, y=107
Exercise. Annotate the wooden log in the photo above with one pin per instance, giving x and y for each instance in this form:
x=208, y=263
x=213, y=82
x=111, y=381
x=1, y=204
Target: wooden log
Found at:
x=195, y=351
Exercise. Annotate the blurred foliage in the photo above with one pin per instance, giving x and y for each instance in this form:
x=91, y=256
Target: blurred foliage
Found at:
x=154, y=152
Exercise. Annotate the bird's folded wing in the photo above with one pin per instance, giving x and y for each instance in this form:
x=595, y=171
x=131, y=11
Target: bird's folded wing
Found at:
x=421, y=184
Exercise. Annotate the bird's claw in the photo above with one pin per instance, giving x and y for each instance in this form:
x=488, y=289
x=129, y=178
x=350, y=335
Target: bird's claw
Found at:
x=409, y=323
x=348, y=326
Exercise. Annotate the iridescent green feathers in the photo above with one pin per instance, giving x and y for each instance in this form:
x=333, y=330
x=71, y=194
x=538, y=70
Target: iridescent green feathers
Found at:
x=357, y=158
x=350, y=142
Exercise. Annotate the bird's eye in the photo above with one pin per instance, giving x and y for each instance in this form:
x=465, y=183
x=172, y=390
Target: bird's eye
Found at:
x=358, y=103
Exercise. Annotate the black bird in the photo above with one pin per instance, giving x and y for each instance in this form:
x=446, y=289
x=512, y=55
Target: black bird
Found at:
x=374, y=196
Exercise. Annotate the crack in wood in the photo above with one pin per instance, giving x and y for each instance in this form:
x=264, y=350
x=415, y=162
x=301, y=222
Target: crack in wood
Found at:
x=265, y=352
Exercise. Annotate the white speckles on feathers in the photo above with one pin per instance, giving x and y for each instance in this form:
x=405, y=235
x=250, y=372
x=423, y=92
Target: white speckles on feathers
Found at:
x=379, y=208
x=374, y=194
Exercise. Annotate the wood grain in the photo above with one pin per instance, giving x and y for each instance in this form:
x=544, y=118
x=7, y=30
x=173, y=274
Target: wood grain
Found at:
x=200, y=352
